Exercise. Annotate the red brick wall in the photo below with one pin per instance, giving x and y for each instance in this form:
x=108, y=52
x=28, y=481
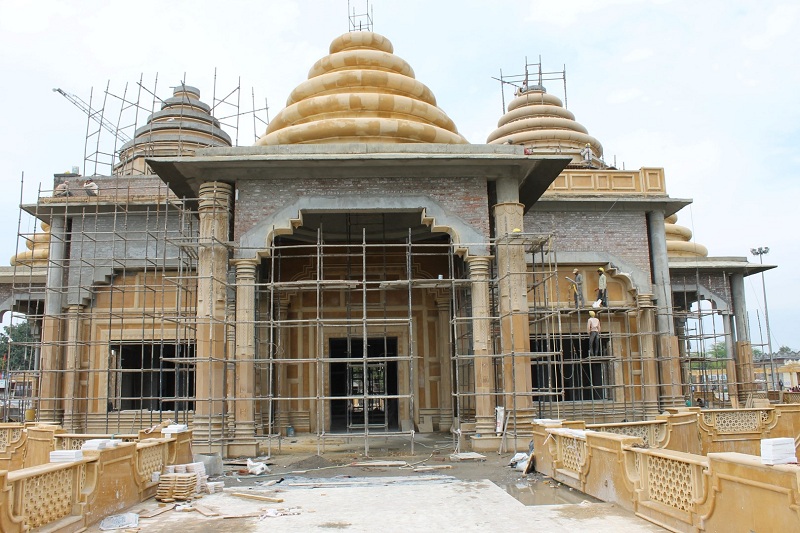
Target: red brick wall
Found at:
x=260, y=198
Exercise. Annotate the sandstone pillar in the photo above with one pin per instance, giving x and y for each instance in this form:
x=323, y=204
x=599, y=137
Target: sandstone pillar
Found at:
x=52, y=326
x=513, y=305
x=244, y=411
x=445, y=364
x=649, y=373
x=479, y=267
x=73, y=374
x=212, y=272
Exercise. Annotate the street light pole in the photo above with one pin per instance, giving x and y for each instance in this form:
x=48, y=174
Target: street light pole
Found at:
x=760, y=252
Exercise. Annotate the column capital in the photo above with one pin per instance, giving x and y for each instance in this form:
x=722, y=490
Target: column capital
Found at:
x=215, y=195
x=245, y=268
x=479, y=265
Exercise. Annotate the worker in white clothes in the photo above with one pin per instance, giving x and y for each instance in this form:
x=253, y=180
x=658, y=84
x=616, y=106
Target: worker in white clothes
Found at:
x=593, y=328
x=90, y=187
x=62, y=189
x=576, y=288
x=602, y=287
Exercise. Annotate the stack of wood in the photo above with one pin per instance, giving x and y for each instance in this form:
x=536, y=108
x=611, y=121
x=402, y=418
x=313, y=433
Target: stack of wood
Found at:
x=176, y=486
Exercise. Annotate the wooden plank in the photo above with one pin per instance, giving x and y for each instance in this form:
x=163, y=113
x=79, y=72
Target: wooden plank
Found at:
x=156, y=512
x=258, y=497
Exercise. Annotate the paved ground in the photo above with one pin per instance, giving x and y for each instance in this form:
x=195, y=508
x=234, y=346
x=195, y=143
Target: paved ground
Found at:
x=324, y=493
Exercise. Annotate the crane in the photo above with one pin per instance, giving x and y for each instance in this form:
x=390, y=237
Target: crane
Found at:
x=99, y=118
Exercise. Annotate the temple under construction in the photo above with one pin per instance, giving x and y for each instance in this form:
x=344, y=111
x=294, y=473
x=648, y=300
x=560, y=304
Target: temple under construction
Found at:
x=365, y=271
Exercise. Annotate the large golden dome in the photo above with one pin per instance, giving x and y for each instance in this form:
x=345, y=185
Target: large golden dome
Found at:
x=361, y=92
x=539, y=122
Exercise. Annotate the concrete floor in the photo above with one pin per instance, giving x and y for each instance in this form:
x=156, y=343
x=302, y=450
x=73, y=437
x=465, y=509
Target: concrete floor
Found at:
x=469, y=496
x=415, y=505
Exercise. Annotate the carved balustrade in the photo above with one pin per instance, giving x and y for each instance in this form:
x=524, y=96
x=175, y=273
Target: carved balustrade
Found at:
x=41, y=495
x=74, y=441
x=12, y=446
x=652, y=432
x=670, y=486
x=739, y=430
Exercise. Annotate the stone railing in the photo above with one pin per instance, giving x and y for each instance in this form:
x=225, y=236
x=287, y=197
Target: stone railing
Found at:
x=71, y=496
x=151, y=456
x=74, y=441
x=671, y=488
x=739, y=430
x=50, y=494
x=790, y=397
x=12, y=446
x=652, y=432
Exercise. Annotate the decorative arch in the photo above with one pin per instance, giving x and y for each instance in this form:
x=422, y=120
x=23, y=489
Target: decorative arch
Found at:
x=466, y=240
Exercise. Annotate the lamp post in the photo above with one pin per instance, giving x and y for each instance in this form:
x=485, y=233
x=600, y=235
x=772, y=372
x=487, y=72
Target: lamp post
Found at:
x=760, y=252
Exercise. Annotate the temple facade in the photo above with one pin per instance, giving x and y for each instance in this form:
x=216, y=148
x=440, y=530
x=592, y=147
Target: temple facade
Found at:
x=363, y=270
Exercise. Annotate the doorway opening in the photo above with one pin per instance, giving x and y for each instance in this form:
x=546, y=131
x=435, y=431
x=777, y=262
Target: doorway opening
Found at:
x=365, y=382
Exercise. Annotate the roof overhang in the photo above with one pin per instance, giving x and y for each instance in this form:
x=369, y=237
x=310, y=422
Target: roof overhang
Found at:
x=733, y=265
x=534, y=174
x=610, y=202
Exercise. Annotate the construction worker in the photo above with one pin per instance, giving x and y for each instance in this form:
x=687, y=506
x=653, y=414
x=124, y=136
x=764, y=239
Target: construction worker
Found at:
x=90, y=187
x=602, y=287
x=62, y=189
x=576, y=288
x=593, y=328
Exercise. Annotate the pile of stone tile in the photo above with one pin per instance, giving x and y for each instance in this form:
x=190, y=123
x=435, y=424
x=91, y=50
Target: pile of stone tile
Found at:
x=176, y=486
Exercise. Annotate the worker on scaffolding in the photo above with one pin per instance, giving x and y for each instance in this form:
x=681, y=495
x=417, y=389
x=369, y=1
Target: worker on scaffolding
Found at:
x=593, y=328
x=602, y=287
x=90, y=187
x=62, y=189
x=576, y=288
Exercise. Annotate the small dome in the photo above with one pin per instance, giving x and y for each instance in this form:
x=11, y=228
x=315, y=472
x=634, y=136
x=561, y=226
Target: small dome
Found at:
x=539, y=122
x=38, y=250
x=678, y=240
x=183, y=125
x=361, y=92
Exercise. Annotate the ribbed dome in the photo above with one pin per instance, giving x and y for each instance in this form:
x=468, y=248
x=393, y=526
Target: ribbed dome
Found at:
x=361, y=92
x=538, y=121
x=38, y=250
x=678, y=238
x=183, y=125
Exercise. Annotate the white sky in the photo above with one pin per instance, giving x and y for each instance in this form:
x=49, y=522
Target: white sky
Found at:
x=708, y=90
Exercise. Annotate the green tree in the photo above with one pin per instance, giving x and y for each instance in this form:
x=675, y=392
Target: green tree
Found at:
x=16, y=347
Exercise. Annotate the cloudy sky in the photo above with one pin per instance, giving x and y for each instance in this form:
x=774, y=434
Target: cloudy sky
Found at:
x=707, y=90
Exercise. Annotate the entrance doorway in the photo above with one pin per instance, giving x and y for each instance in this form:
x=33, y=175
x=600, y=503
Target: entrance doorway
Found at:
x=365, y=386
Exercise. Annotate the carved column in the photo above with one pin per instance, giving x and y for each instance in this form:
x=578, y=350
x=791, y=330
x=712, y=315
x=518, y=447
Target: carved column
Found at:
x=73, y=374
x=52, y=326
x=649, y=372
x=445, y=366
x=479, y=267
x=513, y=305
x=212, y=272
x=244, y=436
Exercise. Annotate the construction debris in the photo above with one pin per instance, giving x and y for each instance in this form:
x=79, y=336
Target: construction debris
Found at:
x=257, y=468
x=119, y=521
x=467, y=456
